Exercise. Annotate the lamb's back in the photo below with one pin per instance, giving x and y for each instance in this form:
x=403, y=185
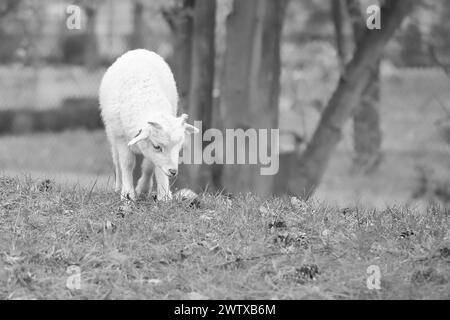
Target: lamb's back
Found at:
x=137, y=84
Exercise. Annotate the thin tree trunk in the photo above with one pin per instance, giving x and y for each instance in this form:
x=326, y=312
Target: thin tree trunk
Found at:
x=337, y=12
x=351, y=86
x=180, y=20
x=250, y=84
x=137, y=38
x=357, y=19
x=91, y=54
x=202, y=79
x=367, y=135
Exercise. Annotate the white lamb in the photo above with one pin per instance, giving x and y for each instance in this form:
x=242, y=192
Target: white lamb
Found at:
x=138, y=101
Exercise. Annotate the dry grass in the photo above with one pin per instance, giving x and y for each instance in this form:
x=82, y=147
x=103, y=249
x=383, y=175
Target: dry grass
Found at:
x=240, y=248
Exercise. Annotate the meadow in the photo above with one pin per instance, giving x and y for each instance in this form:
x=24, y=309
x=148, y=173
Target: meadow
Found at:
x=83, y=158
x=225, y=248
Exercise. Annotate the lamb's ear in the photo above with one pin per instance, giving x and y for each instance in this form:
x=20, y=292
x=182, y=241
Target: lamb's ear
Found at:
x=155, y=125
x=142, y=134
x=190, y=129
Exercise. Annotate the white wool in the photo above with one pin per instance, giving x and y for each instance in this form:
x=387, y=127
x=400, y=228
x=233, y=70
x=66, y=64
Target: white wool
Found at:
x=138, y=85
x=138, y=101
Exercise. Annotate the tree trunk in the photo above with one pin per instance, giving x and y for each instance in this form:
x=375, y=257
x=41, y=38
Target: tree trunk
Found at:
x=344, y=100
x=337, y=12
x=137, y=38
x=180, y=20
x=91, y=54
x=202, y=80
x=367, y=135
x=357, y=19
x=250, y=84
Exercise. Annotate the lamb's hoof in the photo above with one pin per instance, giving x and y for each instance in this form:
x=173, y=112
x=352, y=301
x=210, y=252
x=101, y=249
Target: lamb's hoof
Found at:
x=164, y=198
x=129, y=196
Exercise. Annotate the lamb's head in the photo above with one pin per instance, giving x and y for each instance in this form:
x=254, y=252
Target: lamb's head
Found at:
x=161, y=140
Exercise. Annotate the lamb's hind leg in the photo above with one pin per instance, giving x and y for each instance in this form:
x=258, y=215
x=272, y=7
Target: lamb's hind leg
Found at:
x=145, y=182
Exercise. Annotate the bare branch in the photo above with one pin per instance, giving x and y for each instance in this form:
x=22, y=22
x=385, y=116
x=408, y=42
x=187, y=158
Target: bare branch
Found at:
x=342, y=104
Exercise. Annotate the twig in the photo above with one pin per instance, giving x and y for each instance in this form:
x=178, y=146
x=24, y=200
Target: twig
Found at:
x=90, y=191
x=239, y=260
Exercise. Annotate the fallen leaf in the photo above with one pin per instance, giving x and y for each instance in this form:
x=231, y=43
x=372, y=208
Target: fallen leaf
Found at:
x=109, y=226
x=117, y=256
x=326, y=233
x=154, y=281
x=13, y=259
x=264, y=210
x=299, y=204
x=205, y=217
x=196, y=296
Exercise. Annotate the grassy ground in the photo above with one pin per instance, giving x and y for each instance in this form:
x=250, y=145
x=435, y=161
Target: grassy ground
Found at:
x=81, y=157
x=241, y=248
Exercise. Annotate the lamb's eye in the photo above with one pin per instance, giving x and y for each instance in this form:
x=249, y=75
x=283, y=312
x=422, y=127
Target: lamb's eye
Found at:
x=157, y=148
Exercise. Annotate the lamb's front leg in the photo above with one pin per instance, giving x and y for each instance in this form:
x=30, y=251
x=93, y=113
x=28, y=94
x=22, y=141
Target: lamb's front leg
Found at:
x=144, y=184
x=117, y=174
x=162, y=185
x=127, y=161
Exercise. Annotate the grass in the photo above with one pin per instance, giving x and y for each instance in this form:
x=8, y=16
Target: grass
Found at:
x=70, y=151
x=239, y=248
x=83, y=157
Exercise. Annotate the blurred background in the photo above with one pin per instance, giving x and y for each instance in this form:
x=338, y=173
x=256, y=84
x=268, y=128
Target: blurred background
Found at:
x=241, y=64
